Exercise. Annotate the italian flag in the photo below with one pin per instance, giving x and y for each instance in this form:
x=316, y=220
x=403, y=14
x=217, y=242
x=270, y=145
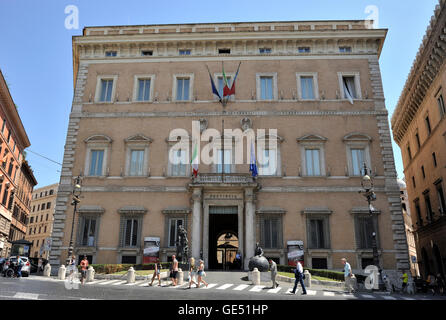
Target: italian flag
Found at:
x=194, y=161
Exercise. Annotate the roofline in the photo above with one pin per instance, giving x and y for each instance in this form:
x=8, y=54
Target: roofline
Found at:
x=30, y=172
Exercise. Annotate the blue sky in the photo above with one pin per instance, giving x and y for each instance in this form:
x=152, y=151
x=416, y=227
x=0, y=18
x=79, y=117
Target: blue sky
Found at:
x=36, y=50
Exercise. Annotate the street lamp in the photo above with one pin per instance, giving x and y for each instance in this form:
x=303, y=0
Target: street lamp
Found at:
x=75, y=200
x=367, y=185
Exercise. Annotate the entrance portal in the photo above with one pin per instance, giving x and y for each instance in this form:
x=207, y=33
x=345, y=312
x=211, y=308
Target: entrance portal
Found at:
x=223, y=238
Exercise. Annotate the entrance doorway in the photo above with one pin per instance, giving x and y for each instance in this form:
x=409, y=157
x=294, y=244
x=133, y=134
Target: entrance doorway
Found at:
x=223, y=237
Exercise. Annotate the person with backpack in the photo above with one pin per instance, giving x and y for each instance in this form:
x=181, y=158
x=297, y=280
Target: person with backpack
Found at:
x=299, y=275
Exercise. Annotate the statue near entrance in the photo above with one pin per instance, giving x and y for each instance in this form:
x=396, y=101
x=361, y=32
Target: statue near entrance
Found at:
x=182, y=245
x=258, y=261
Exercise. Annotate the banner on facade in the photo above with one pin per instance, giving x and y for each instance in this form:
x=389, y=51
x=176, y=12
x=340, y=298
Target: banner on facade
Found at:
x=151, y=249
x=295, y=252
x=47, y=244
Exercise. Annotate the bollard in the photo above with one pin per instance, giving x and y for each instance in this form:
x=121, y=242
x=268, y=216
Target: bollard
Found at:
x=307, y=280
x=180, y=277
x=62, y=272
x=90, y=274
x=131, y=275
x=256, y=277
x=354, y=282
x=47, y=270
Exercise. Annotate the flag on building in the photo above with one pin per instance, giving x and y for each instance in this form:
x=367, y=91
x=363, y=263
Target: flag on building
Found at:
x=194, y=161
x=225, y=80
x=214, y=88
x=231, y=91
x=253, y=164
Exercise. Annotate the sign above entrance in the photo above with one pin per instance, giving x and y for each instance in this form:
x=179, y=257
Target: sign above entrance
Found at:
x=223, y=210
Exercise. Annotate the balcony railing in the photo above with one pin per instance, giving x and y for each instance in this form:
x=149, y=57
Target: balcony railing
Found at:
x=230, y=178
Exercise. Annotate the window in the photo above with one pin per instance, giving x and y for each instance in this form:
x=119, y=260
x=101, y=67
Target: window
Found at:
x=51, y=192
x=413, y=182
x=37, y=243
x=31, y=220
x=42, y=206
x=41, y=218
x=5, y=197
x=128, y=259
x=131, y=233
x=418, y=211
x=307, y=87
x=417, y=137
x=185, y=52
x=106, y=90
x=3, y=125
x=48, y=205
x=11, y=167
x=46, y=216
x=40, y=229
x=173, y=228
x=266, y=88
x=304, y=49
x=357, y=161
x=146, y=53
x=306, y=84
x=270, y=230
x=349, y=87
x=144, y=89
x=96, y=163
x=367, y=262
x=183, y=86
x=264, y=50
x=345, y=49
x=317, y=234
x=227, y=161
x=428, y=125
x=180, y=164
x=427, y=201
x=441, y=199
x=365, y=232
x=136, y=162
x=422, y=171
x=88, y=227
x=312, y=162
x=224, y=51
x=268, y=162
x=111, y=53
x=441, y=107
x=9, y=135
x=319, y=263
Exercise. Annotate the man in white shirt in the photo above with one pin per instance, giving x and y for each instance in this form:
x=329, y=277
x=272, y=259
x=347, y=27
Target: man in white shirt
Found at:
x=299, y=274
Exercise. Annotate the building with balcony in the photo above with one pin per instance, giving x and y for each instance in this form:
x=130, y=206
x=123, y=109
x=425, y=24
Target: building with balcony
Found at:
x=317, y=83
x=419, y=128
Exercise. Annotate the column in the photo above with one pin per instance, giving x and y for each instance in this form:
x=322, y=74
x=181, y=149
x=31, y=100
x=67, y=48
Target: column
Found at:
x=196, y=223
x=250, y=226
x=206, y=236
x=240, y=230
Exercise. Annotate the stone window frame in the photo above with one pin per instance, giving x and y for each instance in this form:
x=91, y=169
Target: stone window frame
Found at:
x=319, y=214
x=131, y=212
x=138, y=77
x=279, y=139
x=137, y=142
x=170, y=144
x=98, y=92
x=363, y=212
x=299, y=75
x=92, y=212
x=190, y=76
x=313, y=141
x=275, y=88
x=442, y=108
x=100, y=142
x=174, y=213
x=268, y=213
x=356, y=75
x=357, y=140
x=442, y=206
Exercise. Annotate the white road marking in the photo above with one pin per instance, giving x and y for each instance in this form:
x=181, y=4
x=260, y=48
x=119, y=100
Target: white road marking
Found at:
x=109, y=282
x=26, y=295
x=120, y=282
x=210, y=285
x=225, y=286
x=241, y=287
x=274, y=290
x=328, y=294
x=257, y=288
x=179, y=286
x=311, y=292
x=96, y=281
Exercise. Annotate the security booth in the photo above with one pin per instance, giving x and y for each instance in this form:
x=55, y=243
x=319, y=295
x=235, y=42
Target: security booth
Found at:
x=295, y=252
x=21, y=248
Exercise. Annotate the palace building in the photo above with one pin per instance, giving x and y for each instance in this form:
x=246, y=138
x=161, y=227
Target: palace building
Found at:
x=419, y=128
x=317, y=83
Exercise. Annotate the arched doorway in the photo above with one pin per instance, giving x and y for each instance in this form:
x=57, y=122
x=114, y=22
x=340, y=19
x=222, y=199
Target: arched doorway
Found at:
x=438, y=261
x=425, y=263
x=227, y=247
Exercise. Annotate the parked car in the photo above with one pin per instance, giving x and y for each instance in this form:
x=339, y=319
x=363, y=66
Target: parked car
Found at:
x=26, y=269
x=2, y=263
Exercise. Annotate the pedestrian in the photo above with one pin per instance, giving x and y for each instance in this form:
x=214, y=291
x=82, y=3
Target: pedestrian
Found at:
x=273, y=268
x=405, y=279
x=299, y=275
x=348, y=275
x=238, y=259
x=432, y=283
x=20, y=264
x=84, y=267
x=174, y=270
x=157, y=273
x=192, y=272
x=72, y=264
x=440, y=284
x=201, y=274
x=39, y=266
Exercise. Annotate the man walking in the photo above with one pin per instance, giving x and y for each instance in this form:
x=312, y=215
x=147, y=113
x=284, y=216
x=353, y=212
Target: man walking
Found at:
x=174, y=270
x=299, y=274
x=273, y=268
x=84, y=267
x=348, y=275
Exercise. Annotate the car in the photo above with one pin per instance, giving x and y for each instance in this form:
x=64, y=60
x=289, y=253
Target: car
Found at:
x=26, y=269
x=2, y=263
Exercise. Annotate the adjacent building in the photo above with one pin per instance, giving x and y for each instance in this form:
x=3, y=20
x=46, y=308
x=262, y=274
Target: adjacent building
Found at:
x=317, y=83
x=16, y=178
x=41, y=220
x=419, y=128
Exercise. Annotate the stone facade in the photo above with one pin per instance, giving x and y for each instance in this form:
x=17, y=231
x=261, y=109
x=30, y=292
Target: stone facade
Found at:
x=322, y=209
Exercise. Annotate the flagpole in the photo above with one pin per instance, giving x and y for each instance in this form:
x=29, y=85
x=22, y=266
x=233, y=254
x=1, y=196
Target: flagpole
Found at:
x=223, y=150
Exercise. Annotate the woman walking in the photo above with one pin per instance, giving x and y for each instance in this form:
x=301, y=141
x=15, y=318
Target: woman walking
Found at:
x=201, y=274
x=157, y=273
x=192, y=272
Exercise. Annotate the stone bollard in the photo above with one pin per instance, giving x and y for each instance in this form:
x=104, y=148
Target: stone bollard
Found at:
x=90, y=274
x=255, y=277
x=62, y=272
x=354, y=282
x=180, y=277
x=131, y=275
x=47, y=270
x=307, y=280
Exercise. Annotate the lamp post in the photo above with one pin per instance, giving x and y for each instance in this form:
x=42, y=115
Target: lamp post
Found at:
x=367, y=185
x=75, y=200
